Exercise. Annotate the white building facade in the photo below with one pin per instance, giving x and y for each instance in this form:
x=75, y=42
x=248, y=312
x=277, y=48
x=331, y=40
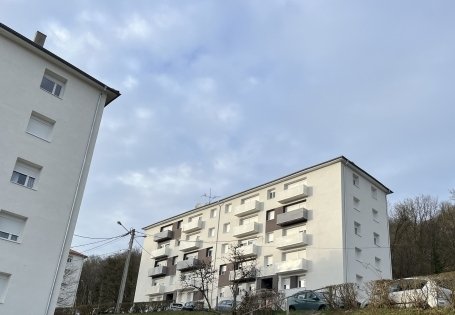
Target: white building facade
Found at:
x=50, y=112
x=71, y=277
x=324, y=225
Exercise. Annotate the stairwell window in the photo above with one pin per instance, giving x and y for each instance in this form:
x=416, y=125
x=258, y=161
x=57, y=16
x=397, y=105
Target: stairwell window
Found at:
x=357, y=229
x=376, y=239
x=40, y=126
x=355, y=180
x=53, y=83
x=25, y=173
x=11, y=226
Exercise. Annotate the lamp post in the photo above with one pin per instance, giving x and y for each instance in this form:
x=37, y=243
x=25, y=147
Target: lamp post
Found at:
x=125, y=269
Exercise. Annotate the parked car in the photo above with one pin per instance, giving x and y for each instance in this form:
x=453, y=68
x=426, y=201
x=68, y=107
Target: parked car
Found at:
x=188, y=306
x=225, y=306
x=175, y=307
x=413, y=291
x=307, y=300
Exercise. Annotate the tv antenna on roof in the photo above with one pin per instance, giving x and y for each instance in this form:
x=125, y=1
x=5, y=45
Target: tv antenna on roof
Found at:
x=210, y=197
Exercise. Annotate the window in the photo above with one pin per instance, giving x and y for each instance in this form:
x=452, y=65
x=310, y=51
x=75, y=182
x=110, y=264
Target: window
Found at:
x=174, y=260
x=376, y=239
x=357, y=230
x=53, y=83
x=271, y=194
x=228, y=208
x=358, y=252
x=223, y=269
x=270, y=215
x=358, y=279
x=11, y=226
x=374, y=192
x=209, y=252
x=40, y=126
x=70, y=259
x=25, y=173
x=247, y=242
x=166, y=228
x=211, y=232
x=377, y=262
x=227, y=227
x=4, y=279
x=213, y=213
x=301, y=282
x=375, y=214
x=162, y=245
x=269, y=237
x=195, y=218
x=224, y=248
x=295, y=206
x=286, y=283
x=160, y=263
x=356, y=203
x=179, y=224
x=268, y=261
x=355, y=180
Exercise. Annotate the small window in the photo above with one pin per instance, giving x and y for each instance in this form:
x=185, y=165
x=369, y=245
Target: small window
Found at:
x=25, y=173
x=374, y=192
x=357, y=230
x=377, y=262
x=356, y=203
x=268, y=261
x=375, y=214
x=224, y=248
x=228, y=208
x=213, y=213
x=179, y=224
x=11, y=226
x=376, y=239
x=70, y=259
x=355, y=180
x=53, y=83
x=358, y=252
x=166, y=228
x=227, y=227
x=270, y=215
x=358, y=279
x=209, y=252
x=271, y=194
x=40, y=126
x=174, y=260
x=4, y=280
x=211, y=232
x=269, y=237
x=160, y=263
x=301, y=282
x=223, y=269
x=286, y=283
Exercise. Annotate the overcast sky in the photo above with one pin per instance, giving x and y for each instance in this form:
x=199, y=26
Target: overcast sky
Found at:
x=226, y=95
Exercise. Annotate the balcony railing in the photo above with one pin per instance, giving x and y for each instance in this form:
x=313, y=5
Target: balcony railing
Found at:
x=242, y=275
x=292, y=194
x=187, y=246
x=161, y=252
x=297, y=265
x=163, y=236
x=248, y=250
x=192, y=226
x=188, y=264
x=292, y=241
x=248, y=208
x=156, y=289
x=292, y=217
x=246, y=229
x=157, y=271
x=269, y=270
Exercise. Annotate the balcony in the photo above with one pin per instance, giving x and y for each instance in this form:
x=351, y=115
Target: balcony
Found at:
x=246, y=229
x=163, y=236
x=248, y=250
x=187, y=246
x=156, y=289
x=192, y=226
x=297, y=265
x=158, y=271
x=241, y=275
x=248, y=208
x=268, y=271
x=189, y=264
x=291, y=194
x=292, y=217
x=161, y=252
x=292, y=241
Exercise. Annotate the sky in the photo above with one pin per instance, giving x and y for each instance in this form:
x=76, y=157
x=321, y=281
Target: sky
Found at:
x=222, y=96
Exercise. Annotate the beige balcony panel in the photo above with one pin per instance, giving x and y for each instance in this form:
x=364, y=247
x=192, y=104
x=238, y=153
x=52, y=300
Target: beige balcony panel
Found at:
x=292, y=217
x=161, y=252
x=156, y=289
x=163, y=236
x=188, y=264
x=187, y=246
x=246, y=229
x=248, y=250
x=192, y=226
x=295, y=193
x=240, y=276
x=293, y=241
x=157, y=271
x=248, y=208
x=268, y=271
x=298, y=265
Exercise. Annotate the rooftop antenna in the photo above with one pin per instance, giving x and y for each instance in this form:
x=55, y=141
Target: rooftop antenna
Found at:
x=210, y=197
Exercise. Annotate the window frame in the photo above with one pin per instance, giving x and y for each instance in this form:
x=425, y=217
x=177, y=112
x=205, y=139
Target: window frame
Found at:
x=58, y=84
x=270, y=215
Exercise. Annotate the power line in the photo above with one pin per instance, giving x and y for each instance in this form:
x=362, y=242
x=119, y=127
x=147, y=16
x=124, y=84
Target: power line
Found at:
x=108, y=242
x=104, y=240
x=96, y=238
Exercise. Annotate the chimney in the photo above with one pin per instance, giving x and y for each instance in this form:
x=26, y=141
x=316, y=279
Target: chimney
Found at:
x=40, y=38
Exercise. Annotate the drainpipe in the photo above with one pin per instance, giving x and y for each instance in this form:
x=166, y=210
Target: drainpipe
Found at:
x=216, y=249
x=73, y=205
x=343, y=213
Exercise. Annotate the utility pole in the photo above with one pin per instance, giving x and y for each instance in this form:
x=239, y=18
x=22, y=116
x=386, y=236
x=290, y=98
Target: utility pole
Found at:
x=125, y=273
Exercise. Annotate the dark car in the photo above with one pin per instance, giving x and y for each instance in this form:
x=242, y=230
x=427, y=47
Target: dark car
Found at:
x=307, y=300
x=188, y=306
x=225, y=306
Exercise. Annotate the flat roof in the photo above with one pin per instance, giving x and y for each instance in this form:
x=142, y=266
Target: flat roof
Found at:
x=112, y=94
x=289, y=176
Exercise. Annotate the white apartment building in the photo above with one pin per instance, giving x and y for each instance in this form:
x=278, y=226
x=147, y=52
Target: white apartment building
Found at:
x=324, y=225
x=50, y=112
x=71, y=277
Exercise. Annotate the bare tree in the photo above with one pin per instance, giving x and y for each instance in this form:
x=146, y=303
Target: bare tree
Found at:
x=244, y=269
x=200, y=278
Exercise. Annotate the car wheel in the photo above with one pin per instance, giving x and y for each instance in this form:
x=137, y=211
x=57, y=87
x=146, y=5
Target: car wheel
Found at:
x=291, y=308
x=322, y=307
